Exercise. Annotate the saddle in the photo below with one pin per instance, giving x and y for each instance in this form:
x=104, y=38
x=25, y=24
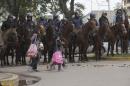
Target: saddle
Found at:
x=77, y=30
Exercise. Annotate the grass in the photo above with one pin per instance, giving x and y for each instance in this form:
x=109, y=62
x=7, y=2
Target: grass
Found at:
x=116, y=57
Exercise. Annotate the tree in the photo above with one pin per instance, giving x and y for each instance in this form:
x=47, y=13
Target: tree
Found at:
x=16, y=7
x=68, y=12
x=38, y=7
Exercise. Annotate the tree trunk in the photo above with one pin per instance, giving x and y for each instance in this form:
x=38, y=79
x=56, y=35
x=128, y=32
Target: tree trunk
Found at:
x=63, y=5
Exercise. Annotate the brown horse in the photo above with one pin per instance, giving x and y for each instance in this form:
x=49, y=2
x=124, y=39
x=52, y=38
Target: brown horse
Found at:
x=121, y=35
x=48, y=41
x=83, y=40
x=126, y=36
x=10, y=41
x=66, y=37
x=107, y=33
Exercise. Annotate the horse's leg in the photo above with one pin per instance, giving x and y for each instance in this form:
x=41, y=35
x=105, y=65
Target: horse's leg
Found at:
x=45, y=57
x=108, y=50
x=70, y=52
x=122, y=46
x=17, y=57
x=6, y=56
x=82, y=54
x=96, y=53
x=66, y=54
x=12, y=54
x=117, y=46
x=73, y=53
x=50, y=53
x=24, y=59
x=126, y=48
x=79, y=54
x=112, y=49
x=7, y=60
x=85, y=55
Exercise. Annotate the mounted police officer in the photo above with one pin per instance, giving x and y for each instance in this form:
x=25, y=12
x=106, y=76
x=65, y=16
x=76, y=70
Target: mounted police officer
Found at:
x=9, y=23
x=120, y=16
x=56, y=21
x=93, y=17
x=103, y=20
x=8, y=26
x=77, y=21
x=56, y=25
x=42, y=21
x=30, y=24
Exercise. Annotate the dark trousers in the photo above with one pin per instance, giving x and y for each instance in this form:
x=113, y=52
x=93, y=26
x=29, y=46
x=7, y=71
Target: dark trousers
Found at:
x=34, y=63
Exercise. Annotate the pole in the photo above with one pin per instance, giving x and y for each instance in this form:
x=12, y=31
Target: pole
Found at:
x=108, y=1
x=91, y=5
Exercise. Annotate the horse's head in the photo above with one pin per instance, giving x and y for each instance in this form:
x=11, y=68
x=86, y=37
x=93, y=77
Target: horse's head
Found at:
x=90, y=25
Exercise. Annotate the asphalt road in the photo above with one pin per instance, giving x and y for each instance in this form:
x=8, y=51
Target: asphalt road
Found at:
x=92, y=73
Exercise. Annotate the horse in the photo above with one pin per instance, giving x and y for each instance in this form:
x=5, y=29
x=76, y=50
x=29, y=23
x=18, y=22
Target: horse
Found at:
x=126, y=36
x=67, y=39
x=121, y=35
x=10, y=39
x=96, y=38
x=107, y=33
x=43, y=39
x=2, y=50
x=82, y=40
x=48, y=42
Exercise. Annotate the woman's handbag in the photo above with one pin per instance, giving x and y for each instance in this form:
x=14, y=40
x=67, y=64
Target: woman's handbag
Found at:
x=32, y=51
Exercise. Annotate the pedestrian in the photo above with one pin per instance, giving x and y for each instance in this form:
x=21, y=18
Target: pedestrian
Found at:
x=57, y=57
x=32, y=52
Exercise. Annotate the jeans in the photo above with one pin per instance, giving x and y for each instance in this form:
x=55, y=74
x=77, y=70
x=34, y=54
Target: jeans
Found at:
x=34, y=63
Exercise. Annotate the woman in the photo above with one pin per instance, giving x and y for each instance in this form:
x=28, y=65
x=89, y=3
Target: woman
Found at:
x=33, y=51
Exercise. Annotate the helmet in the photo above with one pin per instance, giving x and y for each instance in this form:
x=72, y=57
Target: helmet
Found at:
x=76, y=13
x=104, y=14
x=55, y=16
x=92, y=15
x=29, y=15
x=10, y=16
x=119, y=11
x=41, y=18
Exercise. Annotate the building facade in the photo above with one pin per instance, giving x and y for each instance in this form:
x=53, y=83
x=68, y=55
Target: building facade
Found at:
x=110, y=15
x=127, y=6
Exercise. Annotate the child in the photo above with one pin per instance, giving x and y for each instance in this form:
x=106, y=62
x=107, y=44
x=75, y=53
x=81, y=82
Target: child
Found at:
x=57, y=57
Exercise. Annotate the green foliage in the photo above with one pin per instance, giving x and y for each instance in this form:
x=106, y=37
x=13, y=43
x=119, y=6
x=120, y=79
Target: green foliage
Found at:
x=38, y=7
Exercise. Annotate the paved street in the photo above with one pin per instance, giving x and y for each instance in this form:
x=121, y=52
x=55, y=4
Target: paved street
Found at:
x=102, y=73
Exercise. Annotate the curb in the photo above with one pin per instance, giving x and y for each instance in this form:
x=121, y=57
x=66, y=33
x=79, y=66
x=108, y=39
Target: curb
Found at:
x=11, y=80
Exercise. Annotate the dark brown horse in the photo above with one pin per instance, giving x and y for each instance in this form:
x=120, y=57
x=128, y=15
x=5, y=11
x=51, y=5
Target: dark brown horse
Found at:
x=121, y=36
x=10, y=41
x=23, y=41
x=83, y=40
x=43, y=38
x=107, y=33
x=67, y=38
x=126, y=36
x=48, y=41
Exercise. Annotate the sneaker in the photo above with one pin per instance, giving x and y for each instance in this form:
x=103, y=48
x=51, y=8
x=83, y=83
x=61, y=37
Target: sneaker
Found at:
x=35, y=70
